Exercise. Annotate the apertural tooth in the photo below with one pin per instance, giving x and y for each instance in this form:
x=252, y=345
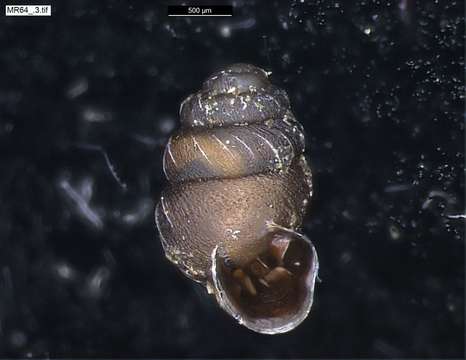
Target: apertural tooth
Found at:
x=279, y=248
x=277, y=274
x=245, y=280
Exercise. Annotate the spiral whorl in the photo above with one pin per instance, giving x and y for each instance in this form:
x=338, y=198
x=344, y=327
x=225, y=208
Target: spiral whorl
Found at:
x=237, y=173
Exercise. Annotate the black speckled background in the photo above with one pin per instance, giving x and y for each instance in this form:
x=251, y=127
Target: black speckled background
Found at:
x=379, y=88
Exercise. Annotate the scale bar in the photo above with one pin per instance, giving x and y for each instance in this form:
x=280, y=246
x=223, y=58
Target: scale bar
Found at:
x=200, y=15
x=204, y=10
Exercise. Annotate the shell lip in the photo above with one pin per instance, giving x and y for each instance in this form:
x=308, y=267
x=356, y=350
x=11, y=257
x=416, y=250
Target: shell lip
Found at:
x=269, y=326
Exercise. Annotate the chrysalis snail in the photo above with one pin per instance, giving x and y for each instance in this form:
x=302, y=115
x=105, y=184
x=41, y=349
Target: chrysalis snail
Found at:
x=239, y=187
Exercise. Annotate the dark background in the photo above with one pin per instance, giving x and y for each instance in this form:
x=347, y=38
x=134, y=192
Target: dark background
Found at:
x=378, y=86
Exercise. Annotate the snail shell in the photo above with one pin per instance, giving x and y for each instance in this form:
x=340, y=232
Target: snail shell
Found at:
x=239, y=189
